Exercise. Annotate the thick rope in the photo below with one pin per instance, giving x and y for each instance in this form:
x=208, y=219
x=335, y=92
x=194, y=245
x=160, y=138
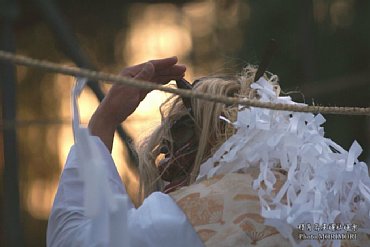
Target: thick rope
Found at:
x=110, y=78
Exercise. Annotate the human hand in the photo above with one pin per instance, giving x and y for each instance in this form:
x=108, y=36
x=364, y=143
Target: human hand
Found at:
x=121, y=101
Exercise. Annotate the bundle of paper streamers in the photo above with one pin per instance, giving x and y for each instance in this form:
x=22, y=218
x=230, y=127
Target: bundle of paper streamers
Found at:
x=325, y=184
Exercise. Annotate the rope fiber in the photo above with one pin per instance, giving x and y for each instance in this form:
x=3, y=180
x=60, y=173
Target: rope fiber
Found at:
x=111, y=79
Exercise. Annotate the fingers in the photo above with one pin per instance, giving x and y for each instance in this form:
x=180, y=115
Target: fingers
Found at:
x=132, y=70
x=158, y=71
x=164, y=63
x=159, y=64
x=146, y=73
x=173, y=70
x=173, y=73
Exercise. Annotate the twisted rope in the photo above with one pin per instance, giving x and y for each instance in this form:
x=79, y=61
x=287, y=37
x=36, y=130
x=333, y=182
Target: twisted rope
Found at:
x=110, y=78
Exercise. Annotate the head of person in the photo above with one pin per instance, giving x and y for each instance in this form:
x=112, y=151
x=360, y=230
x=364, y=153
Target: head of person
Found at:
x=190, y=132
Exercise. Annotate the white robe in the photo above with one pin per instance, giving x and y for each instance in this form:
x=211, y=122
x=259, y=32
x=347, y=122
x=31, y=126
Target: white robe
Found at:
x=158, y=222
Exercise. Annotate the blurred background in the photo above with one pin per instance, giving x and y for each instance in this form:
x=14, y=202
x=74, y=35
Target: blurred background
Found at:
x=323, y=59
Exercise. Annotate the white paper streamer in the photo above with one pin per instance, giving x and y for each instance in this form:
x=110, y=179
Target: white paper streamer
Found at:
x=325, y=183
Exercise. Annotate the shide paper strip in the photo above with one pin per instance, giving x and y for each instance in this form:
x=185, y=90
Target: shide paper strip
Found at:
x=325, y=183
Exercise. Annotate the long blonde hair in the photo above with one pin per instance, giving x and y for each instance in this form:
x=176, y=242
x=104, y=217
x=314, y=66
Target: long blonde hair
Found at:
x=211, y=132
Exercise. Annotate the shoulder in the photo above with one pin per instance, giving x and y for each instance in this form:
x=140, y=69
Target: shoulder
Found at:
x=160, y=222
x=226, y=204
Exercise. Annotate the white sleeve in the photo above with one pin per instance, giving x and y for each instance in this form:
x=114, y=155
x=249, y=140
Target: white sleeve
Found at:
x=158, y=222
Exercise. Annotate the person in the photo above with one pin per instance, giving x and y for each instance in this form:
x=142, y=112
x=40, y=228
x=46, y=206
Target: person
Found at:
x=158, y=222
x=218, y=175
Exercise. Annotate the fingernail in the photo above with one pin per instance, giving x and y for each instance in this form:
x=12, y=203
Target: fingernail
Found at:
x=148, y=67
x=182, y=65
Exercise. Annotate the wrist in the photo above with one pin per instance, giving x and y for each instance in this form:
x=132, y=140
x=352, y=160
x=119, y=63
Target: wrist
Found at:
x=102, y=128
x=102, y=122
x=104, y=115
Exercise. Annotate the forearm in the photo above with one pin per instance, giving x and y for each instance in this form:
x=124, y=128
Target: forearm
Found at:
x=112, y=111
x=102, y=128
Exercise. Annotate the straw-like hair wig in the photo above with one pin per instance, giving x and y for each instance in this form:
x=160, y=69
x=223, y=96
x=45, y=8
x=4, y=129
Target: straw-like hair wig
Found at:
x=210, y=130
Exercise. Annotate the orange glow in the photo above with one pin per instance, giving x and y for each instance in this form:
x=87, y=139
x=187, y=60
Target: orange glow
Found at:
x=155, y=31
x=40, y=197
x=41, y=193
x=64, y=141
x=320, y=10
x=341, y=13
x=201, y=18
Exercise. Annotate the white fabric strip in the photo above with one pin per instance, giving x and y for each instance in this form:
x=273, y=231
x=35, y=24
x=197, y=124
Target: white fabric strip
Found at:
x=108, y=212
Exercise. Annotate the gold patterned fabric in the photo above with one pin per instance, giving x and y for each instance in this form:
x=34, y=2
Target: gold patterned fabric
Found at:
x=225, y=211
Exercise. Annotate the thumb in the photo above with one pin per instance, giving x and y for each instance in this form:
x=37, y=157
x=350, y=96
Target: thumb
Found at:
x=146, y=73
